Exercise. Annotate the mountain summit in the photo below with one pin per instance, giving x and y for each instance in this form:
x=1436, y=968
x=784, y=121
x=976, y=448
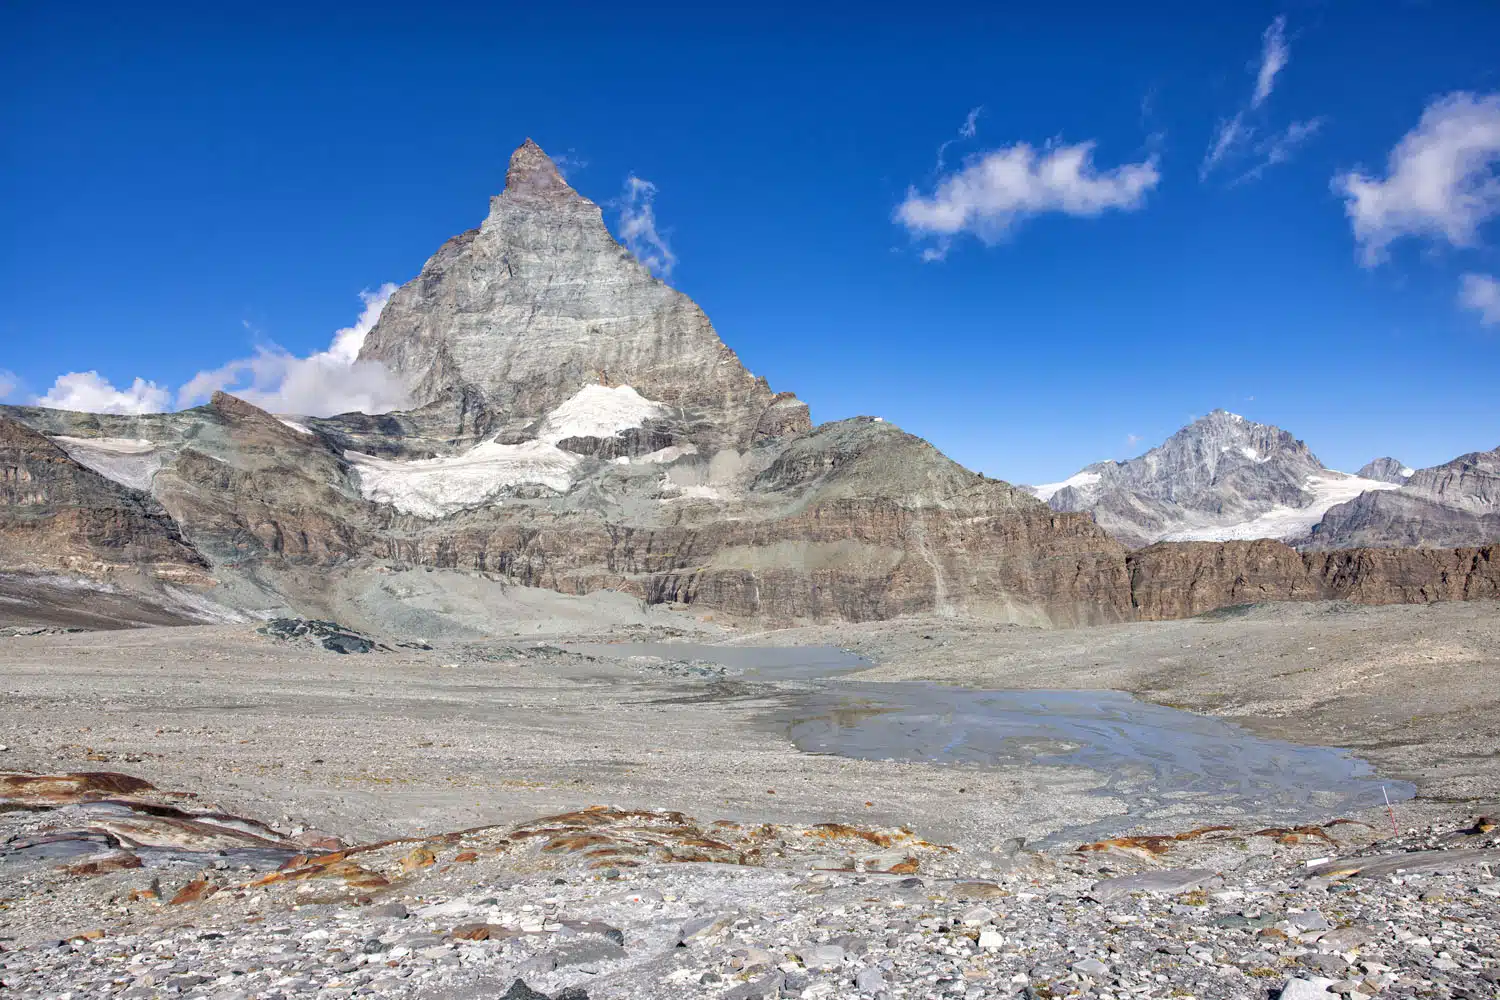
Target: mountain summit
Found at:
x=1220, y=477
x=541, y=300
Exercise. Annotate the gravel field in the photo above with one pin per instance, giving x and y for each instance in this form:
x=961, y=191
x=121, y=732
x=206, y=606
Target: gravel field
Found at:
x=290, y=821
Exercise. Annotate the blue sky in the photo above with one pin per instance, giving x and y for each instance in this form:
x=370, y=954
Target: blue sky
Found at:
x=184, y=185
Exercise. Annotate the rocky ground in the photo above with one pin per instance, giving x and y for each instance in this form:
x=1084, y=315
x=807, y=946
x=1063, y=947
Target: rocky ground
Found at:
x=365, y=824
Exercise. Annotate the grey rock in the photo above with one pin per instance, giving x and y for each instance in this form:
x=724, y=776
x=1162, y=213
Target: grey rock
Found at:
x=1387, y=470
x=704, y=927
x=823, y=956
x=1091, y=967
x=588, y=949
x=1170, y=882
x=1307, y=989
x=765, y=988
x=1345, y=939
x=869, y=981
x=520, y=991
x=1454, y=504
x=1308, y=920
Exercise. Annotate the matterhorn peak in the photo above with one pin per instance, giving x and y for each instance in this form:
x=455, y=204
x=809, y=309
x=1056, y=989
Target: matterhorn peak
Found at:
x=532, y=172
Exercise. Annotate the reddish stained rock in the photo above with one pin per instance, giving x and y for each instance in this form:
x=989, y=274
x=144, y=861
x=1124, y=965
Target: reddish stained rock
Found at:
x=195, y=891
x=114, y=861
x=64, y=789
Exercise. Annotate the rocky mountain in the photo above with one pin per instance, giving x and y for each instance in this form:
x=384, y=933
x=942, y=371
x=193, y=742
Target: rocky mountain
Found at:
x=540, y=300
x=1387, y=470
x=1457, y=503
x=1221, y=477
x=579, y=426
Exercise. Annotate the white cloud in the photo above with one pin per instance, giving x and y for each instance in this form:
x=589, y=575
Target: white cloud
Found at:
x=1274, y=55
x=638, y=228
x=1234, y=139
x=994, y=192
x=1231, y=133
x=1481, y=292
x=323, y=384
x=1131, y=440
x=9, y=382
x=92, y=393
x=1440, y=179
x=971, y=123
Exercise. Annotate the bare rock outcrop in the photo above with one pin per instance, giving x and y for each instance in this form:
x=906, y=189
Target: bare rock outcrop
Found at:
x=57, y=515
x=541, y=299
x=1453, y=504
x=1181, y=579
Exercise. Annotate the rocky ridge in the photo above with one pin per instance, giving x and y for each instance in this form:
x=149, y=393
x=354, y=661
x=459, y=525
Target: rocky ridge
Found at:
x=1455, y=503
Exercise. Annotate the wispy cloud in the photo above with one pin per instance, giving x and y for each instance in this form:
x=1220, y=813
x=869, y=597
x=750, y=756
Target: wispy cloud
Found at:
x=1274, y=55
x=9, y=383
x=1235, y=141
x=638, y=228
x=322, y=384
x=92, y=393
x=1481, y=292
x=1131, y=440
x=994, y=192
x=1440, y=179
x=967, y=130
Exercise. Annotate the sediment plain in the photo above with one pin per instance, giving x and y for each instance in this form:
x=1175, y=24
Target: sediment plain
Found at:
x=391, y=802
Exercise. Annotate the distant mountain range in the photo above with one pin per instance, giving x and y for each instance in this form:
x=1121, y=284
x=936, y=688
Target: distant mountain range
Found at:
x=1224, y=478
x=578, y=425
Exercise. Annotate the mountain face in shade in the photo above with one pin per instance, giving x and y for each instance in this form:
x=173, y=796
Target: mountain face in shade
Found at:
x=541, y=299
x=1221, y=477
x=1456, y=503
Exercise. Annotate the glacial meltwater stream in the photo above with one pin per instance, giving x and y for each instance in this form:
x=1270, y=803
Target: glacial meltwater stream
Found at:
x=1162, y=762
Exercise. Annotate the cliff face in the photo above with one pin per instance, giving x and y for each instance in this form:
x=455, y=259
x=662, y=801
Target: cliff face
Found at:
x=1181, y=579
x=1456, y=503
x=57, y=515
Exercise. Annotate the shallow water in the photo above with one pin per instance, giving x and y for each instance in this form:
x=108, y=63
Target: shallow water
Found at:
x=756, y=662
x=1161, y=763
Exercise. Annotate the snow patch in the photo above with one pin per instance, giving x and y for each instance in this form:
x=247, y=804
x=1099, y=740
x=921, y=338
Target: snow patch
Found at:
x=1282, y=522
x=299, y=428
x=1045, y=492
x=131, y=462
x=437, y=487
x=1408, y=473
x=662, y=456
x=599, y=411
x=1251, y=454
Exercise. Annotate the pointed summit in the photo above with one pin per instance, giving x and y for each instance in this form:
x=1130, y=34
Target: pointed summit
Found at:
x=533, y=172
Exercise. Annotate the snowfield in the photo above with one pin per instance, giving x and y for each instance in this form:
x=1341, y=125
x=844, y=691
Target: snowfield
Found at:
x=131, y=462
x=1281, y=522
x=1046, y=490
x=436, y=487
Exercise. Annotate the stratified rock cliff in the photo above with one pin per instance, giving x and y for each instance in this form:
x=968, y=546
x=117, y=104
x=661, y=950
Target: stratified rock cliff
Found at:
x=1457, y=503
x=1180, y=579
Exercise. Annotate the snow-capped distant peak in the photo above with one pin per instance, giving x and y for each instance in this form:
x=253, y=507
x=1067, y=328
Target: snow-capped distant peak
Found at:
x=1080, y=479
